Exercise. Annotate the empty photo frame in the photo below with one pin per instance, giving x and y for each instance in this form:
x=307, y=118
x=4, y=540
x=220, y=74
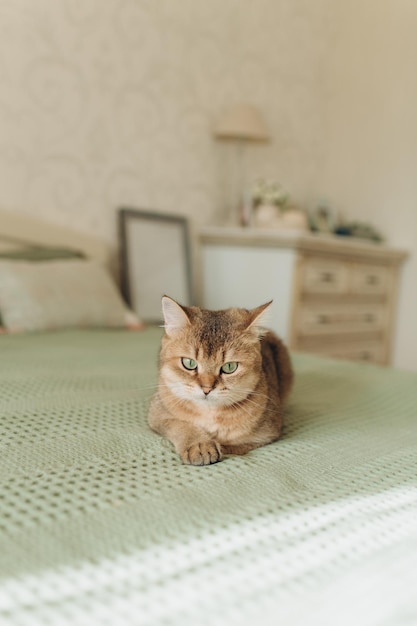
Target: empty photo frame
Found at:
x=154, y=261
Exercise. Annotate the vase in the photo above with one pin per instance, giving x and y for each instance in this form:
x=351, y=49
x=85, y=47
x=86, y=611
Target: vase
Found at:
x=266, y=215
x=295, y=219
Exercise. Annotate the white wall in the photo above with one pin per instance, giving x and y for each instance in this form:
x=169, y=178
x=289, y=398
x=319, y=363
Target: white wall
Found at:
x=111, y=102
x=369, y=168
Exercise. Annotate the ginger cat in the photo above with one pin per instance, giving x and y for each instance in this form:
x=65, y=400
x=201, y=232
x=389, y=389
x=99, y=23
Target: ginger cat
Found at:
x=223, y=382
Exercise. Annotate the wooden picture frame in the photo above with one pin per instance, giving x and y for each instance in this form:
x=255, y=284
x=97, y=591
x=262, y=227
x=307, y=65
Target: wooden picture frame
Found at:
x=155, y=260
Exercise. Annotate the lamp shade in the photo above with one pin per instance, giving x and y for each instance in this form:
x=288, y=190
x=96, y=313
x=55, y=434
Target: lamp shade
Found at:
x=243, y=121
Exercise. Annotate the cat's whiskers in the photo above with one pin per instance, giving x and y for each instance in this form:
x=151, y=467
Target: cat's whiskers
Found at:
x=248, y=405
x=257, y=405
x=148, y=387
x=157, y=385
x=257, y=393
x=174, y=402
x=239, y=406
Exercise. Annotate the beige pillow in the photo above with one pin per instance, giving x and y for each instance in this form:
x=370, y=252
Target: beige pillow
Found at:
x=69, y=293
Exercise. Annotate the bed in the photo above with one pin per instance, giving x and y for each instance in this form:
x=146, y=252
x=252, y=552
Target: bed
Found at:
x=102, y=524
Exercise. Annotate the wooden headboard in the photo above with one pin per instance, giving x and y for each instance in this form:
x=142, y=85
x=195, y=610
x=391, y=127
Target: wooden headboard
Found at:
x=23, y=228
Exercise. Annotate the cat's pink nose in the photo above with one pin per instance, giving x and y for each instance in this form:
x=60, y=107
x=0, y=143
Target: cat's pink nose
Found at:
x=206, y=389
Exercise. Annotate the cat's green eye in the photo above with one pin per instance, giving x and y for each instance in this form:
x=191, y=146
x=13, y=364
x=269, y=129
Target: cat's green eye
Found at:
x=189, y=364
x=229, y=368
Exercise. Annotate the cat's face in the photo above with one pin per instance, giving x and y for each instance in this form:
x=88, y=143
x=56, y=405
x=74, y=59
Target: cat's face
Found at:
x=221, y=377
x=211, y=358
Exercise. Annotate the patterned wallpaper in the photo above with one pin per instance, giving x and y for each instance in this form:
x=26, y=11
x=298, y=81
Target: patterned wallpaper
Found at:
x=111, y=102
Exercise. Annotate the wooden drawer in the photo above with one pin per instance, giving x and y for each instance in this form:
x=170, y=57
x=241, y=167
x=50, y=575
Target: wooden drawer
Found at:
x=370, y=279
x=369, y=351
x=326, y=277
x=321, y=276
x=340, y=318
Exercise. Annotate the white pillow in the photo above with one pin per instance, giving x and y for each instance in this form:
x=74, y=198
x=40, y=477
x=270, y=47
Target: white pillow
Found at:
x=71, y=293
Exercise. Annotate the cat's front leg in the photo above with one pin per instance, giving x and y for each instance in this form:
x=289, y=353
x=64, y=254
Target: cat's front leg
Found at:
x=202, y=453
x=194, y=445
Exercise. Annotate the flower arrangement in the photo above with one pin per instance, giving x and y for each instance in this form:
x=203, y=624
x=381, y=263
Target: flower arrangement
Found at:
x=267, y=192
x=272, y=208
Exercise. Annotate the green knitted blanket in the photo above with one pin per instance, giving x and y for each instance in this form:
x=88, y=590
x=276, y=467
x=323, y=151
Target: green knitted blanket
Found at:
x=100, y=523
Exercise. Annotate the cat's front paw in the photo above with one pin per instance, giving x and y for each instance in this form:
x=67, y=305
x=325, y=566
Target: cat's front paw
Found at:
x=204, y=453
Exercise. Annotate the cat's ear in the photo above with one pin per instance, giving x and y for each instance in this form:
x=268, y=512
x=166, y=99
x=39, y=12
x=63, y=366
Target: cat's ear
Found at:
x=175, y=317
x=259, y=318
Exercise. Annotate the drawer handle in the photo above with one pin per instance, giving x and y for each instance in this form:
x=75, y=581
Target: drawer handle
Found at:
x=365, y=356
x=323, y=319
x=371, y=279
x=327, y=277
x=369, y=317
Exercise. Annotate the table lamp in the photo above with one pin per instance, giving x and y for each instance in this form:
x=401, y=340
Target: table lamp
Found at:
x=241, y=124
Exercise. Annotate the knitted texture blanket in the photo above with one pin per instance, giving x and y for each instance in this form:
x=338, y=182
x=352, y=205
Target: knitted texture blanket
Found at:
x=100, y=523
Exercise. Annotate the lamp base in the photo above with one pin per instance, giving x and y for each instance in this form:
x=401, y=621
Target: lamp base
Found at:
x=245, y=211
